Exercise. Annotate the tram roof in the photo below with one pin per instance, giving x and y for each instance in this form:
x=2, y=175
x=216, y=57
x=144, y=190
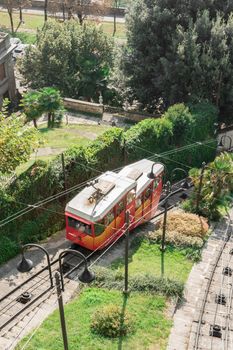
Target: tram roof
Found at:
x=140, y=170
x=114, y=185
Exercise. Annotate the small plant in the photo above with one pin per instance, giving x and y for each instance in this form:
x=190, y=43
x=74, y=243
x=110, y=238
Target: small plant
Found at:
x=111, y=321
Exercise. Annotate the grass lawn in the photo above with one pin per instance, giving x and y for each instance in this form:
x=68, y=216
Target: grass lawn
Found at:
x=63, y=137
x=70, y=135
x=147, y=311
x=27, y=31
x=146, y=258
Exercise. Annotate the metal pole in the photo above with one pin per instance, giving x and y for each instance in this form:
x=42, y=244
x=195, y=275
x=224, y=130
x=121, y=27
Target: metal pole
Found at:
x=163, y=247
x=29, y=245
x=200, y=186
x=63, y=170
x=126, y=289
x=61, y=311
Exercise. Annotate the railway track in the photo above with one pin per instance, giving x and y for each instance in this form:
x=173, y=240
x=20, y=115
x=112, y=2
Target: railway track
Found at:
x=212, y=328
x=22, y=301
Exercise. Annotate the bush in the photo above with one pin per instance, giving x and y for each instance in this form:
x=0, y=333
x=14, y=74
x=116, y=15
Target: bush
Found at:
x=183, y=229
x=111, y=321
x=8, y=248
x=152, y=284
x=107, y=278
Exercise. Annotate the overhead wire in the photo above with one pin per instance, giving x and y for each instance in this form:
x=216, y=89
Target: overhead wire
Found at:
x=65, y=192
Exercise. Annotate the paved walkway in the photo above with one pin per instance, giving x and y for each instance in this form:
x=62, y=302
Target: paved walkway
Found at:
x=186, y=312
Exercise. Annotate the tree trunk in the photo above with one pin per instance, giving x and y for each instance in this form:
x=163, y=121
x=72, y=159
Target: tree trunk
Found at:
x=80, y=18
x=114, y=24
x=35, y=123
x=49, y=120
x=69, y=12
x=46, y=10
x=11, y=20
x=63, y=12
x=53, y=120
x=20, y=14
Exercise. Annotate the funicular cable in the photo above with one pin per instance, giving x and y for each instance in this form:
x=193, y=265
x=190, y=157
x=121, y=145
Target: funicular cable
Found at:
x=62, y=193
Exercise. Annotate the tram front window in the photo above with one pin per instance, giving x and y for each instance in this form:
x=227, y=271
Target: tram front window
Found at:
x=99, y=228
x=79, y=225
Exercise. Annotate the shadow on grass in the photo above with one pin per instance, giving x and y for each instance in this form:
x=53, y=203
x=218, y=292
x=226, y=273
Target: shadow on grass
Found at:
x=134, y=246
x=121, y=337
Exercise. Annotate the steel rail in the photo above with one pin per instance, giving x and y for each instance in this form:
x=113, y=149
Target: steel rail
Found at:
x=208, y=288
x=74, y=268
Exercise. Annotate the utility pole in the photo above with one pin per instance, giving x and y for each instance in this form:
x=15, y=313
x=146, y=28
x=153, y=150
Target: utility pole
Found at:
x=126, y=289
x=61, y=311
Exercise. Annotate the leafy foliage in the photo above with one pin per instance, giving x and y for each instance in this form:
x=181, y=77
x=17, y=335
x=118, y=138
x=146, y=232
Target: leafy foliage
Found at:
x=148, y=283
x=75, y=59
x=109, y=321
x=216, y=192
x=16, y=142
x=178, y=51
x=47, y=100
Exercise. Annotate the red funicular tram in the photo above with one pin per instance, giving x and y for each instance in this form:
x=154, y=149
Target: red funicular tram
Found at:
x=96, y=216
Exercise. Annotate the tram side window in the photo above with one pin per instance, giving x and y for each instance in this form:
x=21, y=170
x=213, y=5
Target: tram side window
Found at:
x=155, y=184
x=109, y=218
x=148, y=193
x=120, y=208
x=139, y=201
x=99, y=228
x=130, y=196
x=79, y=225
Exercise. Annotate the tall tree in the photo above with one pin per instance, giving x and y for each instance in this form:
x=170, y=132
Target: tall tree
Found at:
x=75, y=59
x=179, y=51
x=79, y=9
x=11, y=6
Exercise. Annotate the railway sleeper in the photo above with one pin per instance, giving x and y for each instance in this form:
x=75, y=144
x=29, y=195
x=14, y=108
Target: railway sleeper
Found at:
x=216, y=331
x=220, y=299
x=227, y=271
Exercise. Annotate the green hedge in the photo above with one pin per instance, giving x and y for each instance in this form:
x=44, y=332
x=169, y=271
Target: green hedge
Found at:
x=179, y=126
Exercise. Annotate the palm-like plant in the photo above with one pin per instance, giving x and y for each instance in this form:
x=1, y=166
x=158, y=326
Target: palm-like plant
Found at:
x=217, y=185
x=32, y=106
x=51, y=102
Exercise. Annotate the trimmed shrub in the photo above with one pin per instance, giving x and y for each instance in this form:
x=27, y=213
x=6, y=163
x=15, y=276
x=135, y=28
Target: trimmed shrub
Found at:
x=111, y=321
x=186, y=224
x=107, y=278
x=183, y=229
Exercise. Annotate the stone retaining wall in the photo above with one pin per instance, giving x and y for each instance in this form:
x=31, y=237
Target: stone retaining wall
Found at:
x=83, y=106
